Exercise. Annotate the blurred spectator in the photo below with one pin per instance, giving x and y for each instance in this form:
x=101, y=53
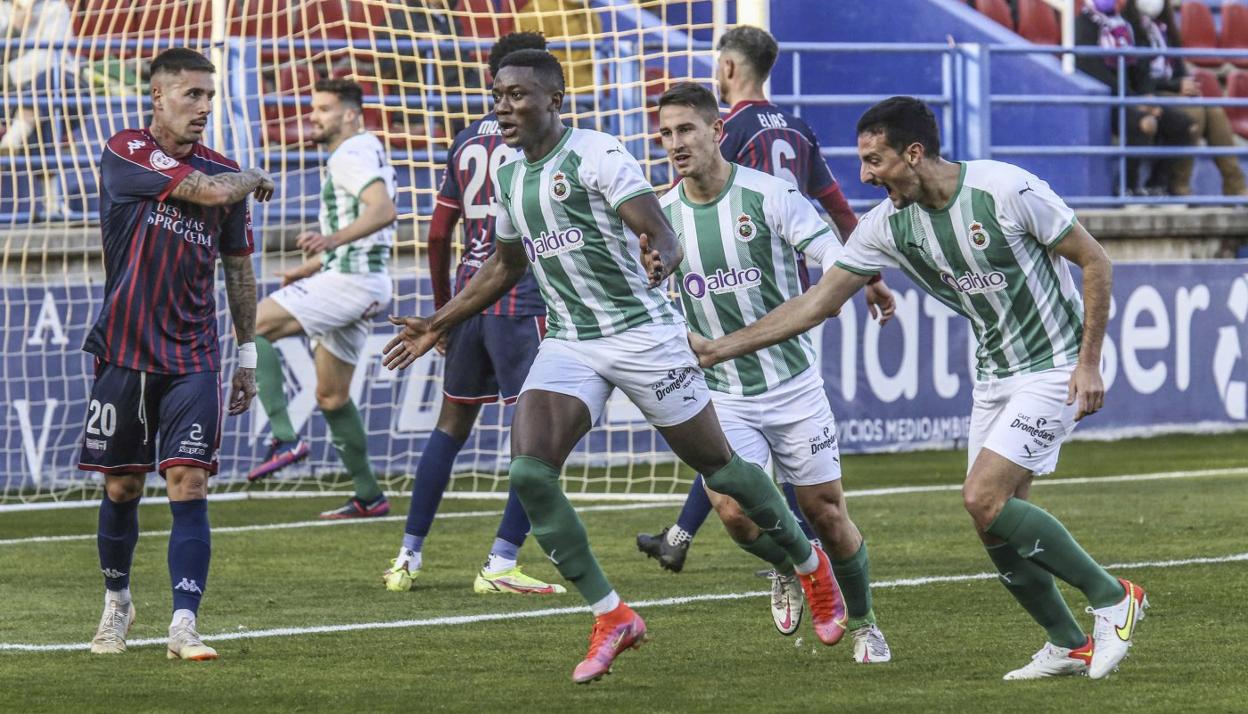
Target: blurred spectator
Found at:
x=563, y=20
x=1154, y=26
x=1100, y=24
x=30, y=73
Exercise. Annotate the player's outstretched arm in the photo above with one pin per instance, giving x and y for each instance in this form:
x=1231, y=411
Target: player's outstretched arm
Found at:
x=661, y=251
x=794, y=317
x=224, y=189
x=497, y=275
x=240, y=292
x=379, y=212
x=1080, y=248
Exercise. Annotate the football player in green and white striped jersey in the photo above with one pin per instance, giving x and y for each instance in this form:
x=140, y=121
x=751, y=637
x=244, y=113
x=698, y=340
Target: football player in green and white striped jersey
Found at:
x=740, y=230
x=334, y=294
x=577, y=208
x=994, y=243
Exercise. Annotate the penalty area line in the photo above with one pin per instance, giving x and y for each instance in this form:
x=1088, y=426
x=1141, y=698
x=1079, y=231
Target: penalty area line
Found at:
x=453, y=620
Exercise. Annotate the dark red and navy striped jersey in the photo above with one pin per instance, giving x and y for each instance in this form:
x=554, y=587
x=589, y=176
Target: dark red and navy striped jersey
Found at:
x=468, y=186
x=160, y=258
x=762, y=136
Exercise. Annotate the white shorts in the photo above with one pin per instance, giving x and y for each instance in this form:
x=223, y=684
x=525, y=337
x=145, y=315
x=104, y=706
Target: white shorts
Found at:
x=335, y=308
x=792, y=423
x=652, y=364
x=1024, y=418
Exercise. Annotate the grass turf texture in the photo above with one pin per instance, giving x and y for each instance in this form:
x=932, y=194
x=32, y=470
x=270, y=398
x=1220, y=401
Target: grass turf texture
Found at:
x=952, y=641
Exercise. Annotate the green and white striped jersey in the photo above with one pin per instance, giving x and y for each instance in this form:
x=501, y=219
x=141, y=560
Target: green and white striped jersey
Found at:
x=740, y=264
x=988, y=255
x=356, y=163
x=586, y=261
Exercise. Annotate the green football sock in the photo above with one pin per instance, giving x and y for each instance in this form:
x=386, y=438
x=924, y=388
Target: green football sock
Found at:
x=765, y=548
x=272, y=393
x=556, y=526
x=1035, y=589
x=1041, y=538
x=346, y=432
x=854, y=577
x=762, y=502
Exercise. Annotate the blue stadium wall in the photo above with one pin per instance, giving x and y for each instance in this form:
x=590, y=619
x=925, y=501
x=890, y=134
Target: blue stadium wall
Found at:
x=894, y=21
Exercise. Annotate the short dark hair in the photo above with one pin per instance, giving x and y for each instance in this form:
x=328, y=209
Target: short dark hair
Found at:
x=756, y=45
x=514, y=42
x=180, y=59
x=693, y=95
x=545, y=65
x=348, y=92
x=903, y=121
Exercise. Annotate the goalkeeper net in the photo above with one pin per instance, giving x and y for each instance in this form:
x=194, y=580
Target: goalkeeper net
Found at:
x=74, y=73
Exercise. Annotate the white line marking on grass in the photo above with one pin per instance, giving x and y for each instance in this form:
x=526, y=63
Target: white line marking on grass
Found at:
x=894, y=491
x=630, y=497
x=321, y=524
x=557, y=611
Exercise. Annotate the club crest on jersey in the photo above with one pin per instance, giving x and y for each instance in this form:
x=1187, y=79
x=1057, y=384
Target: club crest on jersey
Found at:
x=162, y=161
x=560, y=189
x=746, y=230
x=979, y=237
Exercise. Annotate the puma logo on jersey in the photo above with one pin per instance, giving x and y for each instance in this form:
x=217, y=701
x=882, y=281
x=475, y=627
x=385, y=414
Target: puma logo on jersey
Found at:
x=189, y=586
x=1026, y=187
x=614, y=151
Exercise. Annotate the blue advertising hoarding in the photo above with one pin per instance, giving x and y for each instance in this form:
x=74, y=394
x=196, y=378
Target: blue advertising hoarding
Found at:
x=1173, y=361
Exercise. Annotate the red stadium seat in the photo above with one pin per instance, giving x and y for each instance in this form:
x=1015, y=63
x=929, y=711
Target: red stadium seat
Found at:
x=1237, y=88
x=1198, y=31
x=1235, y=30
x=1208, y=82
x=1038, y=23
x=997, y=11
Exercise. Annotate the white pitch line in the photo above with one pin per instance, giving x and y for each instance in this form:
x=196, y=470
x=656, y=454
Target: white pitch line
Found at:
x=869, y=492
x=322, y=524
x=589, y=497
x=556, y=611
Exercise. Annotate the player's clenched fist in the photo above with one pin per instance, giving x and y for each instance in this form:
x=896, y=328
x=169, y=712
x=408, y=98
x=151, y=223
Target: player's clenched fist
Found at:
x=264, y=184
x=415, y=339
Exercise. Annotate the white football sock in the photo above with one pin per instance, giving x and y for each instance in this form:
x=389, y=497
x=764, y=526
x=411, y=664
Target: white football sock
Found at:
x=498, y=564
x=122, y=596
x=605, y=605
x=178, y=615
x=677, y=535
x=810, y=565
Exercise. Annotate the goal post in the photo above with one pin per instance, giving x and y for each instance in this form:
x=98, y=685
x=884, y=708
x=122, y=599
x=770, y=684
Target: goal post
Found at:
x=423, y=69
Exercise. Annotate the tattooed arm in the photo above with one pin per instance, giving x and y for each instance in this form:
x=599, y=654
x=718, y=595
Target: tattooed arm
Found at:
x=224, y=189
x=240, y=292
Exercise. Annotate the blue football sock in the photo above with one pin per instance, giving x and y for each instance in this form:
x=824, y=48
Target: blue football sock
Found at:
x=433, y=473
x=697, y=507
x=512, y=529
x=190, y=549
x=116, y=535
x=790, y=495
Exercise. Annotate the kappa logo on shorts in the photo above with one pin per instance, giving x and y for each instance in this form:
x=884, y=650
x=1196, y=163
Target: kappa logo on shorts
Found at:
x=821, y=442
x=676, y=380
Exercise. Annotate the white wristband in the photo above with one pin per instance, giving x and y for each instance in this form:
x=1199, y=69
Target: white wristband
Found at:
x=247, y=355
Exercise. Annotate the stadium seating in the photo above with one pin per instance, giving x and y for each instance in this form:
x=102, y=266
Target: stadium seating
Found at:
x=1235, y=30
x=1038, y=23
x=997, y=11
x=1207, y=80
x=1198, y=31
x=1237, y=87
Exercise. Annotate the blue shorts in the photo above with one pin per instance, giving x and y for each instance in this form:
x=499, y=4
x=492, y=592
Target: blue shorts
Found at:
x=129, y=410
x=488, y=356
